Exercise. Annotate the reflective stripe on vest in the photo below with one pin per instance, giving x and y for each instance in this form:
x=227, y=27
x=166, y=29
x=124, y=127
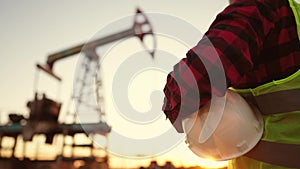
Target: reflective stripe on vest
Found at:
x=279, y=102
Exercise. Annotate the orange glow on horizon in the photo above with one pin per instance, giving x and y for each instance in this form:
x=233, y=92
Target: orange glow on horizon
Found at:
x=214, y=164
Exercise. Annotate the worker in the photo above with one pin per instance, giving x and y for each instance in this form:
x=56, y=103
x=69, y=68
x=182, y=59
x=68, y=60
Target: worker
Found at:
x=257, y=43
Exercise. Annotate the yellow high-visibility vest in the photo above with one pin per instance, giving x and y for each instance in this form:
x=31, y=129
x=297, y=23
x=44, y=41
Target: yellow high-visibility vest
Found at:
x=279, y=147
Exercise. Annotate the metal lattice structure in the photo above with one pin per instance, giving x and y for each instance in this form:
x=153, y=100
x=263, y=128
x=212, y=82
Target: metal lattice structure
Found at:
x=88, y=97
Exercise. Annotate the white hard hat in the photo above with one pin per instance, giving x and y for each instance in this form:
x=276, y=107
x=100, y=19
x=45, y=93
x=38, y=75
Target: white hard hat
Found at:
x=226, y=128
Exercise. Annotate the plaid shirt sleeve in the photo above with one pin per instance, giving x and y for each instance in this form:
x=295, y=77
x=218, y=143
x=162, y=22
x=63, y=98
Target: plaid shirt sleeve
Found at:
x=236, y=38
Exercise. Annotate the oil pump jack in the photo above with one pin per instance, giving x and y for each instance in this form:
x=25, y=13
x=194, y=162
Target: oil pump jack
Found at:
x=141, y=27
x=44, y=112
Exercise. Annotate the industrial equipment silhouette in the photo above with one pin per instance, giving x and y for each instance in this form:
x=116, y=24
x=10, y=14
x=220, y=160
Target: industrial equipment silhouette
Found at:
x=44, y=112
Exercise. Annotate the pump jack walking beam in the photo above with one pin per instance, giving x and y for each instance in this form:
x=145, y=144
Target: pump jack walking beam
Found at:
x=140, y=28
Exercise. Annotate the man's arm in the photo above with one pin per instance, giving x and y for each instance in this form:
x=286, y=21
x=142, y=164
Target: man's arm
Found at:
x=232, y=41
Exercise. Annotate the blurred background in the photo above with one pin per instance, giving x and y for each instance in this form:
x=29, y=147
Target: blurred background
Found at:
x=31, y=31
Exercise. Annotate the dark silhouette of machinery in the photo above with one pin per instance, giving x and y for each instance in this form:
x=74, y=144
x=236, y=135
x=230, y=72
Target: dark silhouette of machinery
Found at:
x=44, y=112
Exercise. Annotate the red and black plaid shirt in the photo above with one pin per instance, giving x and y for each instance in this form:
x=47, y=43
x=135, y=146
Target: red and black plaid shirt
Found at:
x=256, y=41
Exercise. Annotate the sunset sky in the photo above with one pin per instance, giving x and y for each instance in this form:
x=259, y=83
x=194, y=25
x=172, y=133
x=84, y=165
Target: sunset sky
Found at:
x=31, y=30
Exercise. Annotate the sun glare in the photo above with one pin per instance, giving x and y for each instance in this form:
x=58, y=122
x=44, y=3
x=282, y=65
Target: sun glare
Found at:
x=190, y=159
x=213, y=164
